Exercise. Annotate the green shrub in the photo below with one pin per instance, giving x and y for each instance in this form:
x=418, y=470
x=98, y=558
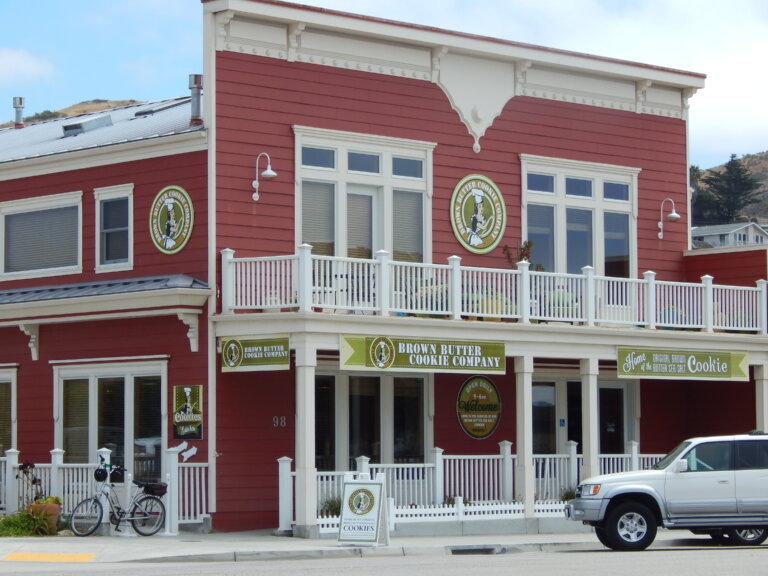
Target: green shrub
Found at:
x=21, y=523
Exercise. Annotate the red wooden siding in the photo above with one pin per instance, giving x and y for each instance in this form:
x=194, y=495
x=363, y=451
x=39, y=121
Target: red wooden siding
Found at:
x=735, y=267
x=259, y=99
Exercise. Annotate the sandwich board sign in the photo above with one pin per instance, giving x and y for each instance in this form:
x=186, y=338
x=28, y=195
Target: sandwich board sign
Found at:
x=363, y=511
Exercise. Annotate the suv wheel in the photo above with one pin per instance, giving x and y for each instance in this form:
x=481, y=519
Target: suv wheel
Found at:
x=747, y=536
x=630, y=526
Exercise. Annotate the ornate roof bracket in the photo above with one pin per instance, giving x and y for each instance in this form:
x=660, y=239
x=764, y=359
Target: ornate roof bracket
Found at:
x=191, y=321
x=33, y=331
x=641, y=94
x=294, y=35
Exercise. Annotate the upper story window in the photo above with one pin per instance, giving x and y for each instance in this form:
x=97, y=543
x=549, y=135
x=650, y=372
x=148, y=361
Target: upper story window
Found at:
x=358, y=194
x=579, y=214
x=41, y=236
x=114, y=238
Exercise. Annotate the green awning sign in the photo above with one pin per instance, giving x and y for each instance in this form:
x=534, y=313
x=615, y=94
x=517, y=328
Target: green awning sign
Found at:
x=250, y=355
x=421, y=354
x=670, y=364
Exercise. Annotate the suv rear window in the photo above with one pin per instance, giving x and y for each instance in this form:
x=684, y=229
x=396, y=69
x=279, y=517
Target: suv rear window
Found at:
x=752, y=455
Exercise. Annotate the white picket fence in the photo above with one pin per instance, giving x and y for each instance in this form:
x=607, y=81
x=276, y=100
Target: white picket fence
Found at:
x=454, y=487
x=186, y=500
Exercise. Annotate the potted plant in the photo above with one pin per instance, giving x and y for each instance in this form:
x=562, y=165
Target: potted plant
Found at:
x=47, y=509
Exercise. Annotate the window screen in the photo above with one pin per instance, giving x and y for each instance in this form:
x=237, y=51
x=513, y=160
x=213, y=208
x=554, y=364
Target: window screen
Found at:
x=41, y=239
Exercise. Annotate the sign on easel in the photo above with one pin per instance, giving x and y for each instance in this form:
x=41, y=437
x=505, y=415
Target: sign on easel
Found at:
x=364, y=512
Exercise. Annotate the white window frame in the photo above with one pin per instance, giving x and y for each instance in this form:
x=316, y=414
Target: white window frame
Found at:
x=598, y=173
x=113, y=193
x=386, y=183
x=93, y=372
x=64, y=200
x=9, y=374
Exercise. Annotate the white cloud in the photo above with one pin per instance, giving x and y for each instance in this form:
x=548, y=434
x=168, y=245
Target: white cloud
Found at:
x=18, y=66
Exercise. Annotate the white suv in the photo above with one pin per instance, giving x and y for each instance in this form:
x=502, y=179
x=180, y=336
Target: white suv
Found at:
x=716, y=485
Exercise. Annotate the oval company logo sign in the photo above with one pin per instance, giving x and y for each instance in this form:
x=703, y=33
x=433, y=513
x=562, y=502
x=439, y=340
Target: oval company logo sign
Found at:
x=478, y=216
x=170, y=219
x=478, y=407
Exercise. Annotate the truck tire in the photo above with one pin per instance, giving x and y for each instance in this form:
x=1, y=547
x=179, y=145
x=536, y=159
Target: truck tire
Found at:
x=600, y=533
x=630, y=526
x=747, y=536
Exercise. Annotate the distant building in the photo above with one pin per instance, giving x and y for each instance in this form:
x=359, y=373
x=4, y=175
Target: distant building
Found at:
x=735, y=234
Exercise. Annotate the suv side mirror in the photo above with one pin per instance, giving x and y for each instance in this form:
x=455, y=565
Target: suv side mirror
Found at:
x=681, y=466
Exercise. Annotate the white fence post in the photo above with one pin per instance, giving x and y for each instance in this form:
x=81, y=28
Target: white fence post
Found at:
x=438, y=488
x=524, y=300
x=11, y=484
x=634, y=456
x=650, y=298
x=383, y=286
x=455, y=284
x=762, y=306
x=362, y=465
x=227, y=280
x=506, y=471
x=56, y=488
x=708, y=303
x=573, y=464
x=174, y=491
x=589, y=294
x=103, y=453
x=305, y=278
x=459, y=502
x=285, y=494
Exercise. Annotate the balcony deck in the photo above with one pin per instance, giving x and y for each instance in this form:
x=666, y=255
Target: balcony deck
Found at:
x=385, y=287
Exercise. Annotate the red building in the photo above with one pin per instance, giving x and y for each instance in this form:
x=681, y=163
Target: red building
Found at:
x=364, y=192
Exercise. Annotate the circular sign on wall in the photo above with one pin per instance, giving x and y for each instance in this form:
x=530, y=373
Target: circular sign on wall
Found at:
x=170, y=219
x=478, y=407
x=478, y=216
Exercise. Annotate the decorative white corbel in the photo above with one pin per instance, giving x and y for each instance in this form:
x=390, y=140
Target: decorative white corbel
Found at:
x=641, y=94
x=33, y=331
x=294, y=35
x=521, y=74
x=191, y=320
x=437, y=55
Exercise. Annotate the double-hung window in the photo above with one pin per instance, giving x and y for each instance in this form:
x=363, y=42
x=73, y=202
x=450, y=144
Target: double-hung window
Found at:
x=358, y=194
x=41, y=236
x=114, y=233
x=579, y=214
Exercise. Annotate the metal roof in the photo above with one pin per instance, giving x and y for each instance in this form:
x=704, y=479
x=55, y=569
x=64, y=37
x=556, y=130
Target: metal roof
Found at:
x=106, y=127
x=104, y=288
x=717, y=229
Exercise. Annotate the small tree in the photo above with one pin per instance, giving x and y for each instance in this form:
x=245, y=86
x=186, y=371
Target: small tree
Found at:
x=732, y=189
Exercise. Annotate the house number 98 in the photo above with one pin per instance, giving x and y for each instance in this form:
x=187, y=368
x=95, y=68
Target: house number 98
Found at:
x=279, y=421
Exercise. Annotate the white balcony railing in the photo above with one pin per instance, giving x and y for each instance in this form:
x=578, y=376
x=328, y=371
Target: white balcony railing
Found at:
x=385, y=287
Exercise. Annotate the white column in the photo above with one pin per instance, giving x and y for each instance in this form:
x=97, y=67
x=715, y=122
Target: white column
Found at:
x=306, y=473
x=761, y=397
x=589, y=418
x=524, y=473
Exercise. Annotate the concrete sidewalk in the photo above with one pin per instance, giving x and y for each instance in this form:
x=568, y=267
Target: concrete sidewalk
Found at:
x=263, y=545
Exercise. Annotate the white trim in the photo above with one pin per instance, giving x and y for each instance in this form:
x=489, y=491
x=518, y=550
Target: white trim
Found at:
x=111, y=359
x=113, y=193
x=148, y=149
x=10, y=375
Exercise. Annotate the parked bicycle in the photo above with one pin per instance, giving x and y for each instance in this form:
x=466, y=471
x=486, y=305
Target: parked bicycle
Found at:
x=147, y=511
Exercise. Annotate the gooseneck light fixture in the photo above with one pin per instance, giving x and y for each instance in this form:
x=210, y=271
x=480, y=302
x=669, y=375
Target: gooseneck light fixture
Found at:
x=672, y=216
x=268, y=174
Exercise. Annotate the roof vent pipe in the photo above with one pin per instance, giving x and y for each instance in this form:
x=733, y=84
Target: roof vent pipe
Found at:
x=18, y=104
x=196, y=87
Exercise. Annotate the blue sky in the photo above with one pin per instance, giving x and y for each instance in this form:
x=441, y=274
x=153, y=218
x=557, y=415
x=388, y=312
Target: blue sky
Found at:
x=57, y=53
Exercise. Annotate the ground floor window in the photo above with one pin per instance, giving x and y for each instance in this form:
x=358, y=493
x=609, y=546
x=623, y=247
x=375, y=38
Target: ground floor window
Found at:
x=117, y=407
x=382, y=418
x=7, y=410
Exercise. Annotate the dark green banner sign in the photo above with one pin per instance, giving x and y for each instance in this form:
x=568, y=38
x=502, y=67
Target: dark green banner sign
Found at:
x=667, y=364
x=421, y=354
x=249, y=355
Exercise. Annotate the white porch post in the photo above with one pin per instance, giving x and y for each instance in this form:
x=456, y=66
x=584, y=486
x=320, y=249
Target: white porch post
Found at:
x=285, y=491
x=306, y=473
x=439, y=495
x=589, y=418
x=761, y=397
x=507, y=477
x=524, y=474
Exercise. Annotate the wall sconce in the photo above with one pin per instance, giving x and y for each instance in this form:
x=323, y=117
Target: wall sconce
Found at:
x=672, y=216
x=268, y=174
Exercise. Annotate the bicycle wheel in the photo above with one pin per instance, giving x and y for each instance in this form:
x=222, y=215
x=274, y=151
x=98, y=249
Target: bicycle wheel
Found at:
x=86, y=517
x=148, y=516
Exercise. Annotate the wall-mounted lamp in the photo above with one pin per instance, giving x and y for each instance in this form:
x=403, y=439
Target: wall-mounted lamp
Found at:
x=672, y=216
x=268, y=174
